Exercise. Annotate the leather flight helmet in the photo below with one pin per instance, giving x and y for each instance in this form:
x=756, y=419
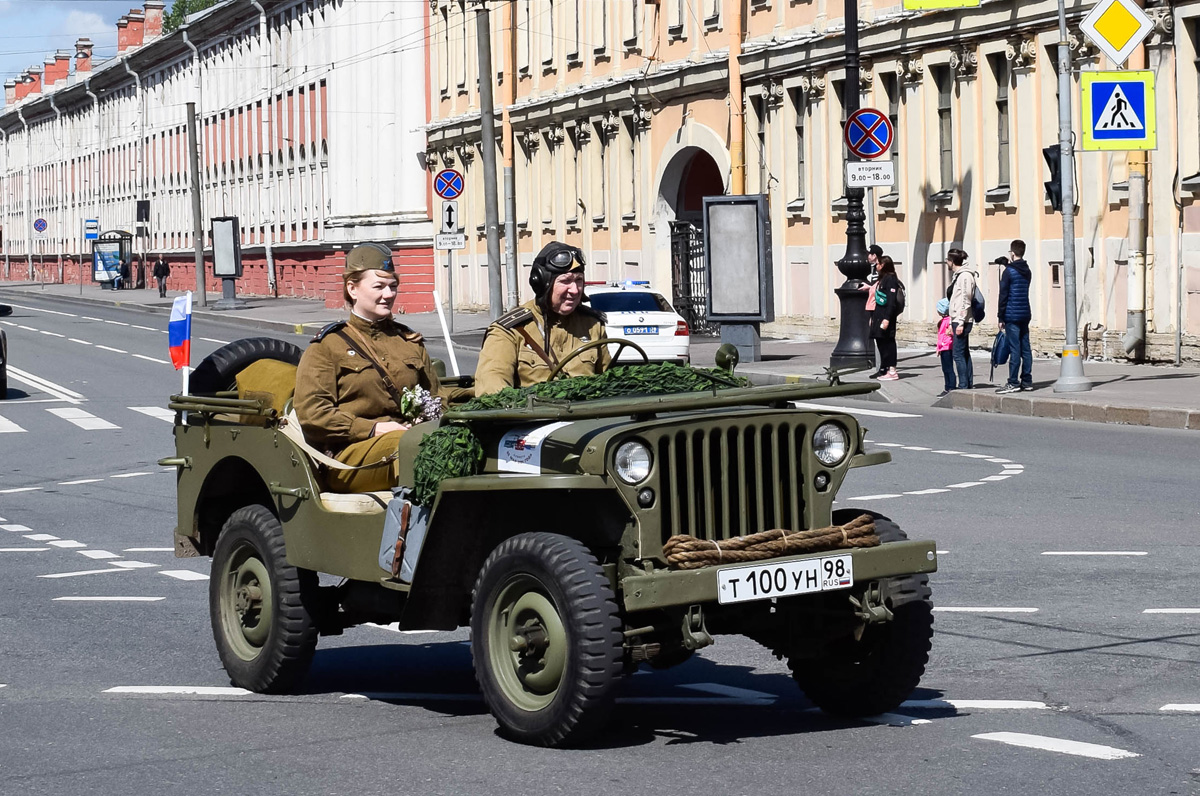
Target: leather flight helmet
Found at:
x=554, y=259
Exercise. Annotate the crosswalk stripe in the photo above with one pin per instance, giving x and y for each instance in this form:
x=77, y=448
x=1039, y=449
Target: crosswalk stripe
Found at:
x=158, y=412
x=84, y=420
x=9, y=427
x=183, y=574
x=1062, y=745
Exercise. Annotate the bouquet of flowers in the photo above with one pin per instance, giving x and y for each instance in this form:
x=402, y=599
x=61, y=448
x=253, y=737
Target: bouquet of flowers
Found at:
x=417, y=405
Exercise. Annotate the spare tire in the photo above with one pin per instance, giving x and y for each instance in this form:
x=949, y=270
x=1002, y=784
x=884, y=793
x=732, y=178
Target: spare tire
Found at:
x=218, y=372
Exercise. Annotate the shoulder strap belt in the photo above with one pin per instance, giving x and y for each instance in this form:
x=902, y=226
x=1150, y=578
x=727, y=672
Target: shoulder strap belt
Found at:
x=366, y=354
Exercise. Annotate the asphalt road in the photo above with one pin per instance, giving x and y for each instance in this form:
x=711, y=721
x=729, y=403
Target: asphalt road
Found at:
x=1052, y=671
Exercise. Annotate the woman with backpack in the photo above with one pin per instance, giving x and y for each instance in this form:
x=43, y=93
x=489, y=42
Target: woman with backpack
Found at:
x=884, y=318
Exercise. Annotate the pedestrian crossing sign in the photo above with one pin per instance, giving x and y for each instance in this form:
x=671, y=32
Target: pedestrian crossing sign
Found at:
x=1118, y=111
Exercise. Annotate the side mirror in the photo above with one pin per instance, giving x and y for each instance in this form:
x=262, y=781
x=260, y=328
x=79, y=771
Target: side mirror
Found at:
x=727, y=357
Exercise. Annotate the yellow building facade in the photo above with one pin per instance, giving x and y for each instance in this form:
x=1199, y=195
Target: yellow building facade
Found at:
x=622, y=124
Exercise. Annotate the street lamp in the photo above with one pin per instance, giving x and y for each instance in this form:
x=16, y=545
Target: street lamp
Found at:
x=853, y=348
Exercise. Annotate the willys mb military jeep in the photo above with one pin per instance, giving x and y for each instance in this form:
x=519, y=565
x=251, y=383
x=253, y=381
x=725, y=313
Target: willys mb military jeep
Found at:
x=553, y=553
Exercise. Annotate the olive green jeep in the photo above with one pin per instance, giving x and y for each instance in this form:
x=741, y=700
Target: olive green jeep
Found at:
x=554, y=551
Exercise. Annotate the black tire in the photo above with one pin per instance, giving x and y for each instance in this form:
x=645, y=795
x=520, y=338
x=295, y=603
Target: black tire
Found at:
x=218, y=371
x=261, y=607
x=548, y=593
x=875, y=673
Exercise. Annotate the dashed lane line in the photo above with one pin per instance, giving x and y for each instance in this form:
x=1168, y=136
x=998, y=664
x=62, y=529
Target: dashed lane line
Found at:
x=133, y=564
x=152, y=359
x=19, y=489
x=85, y=420
x=186, y=690
x=1009, y=470
x=108, y=599
x=110, y=348
x=51, y=334
x=852, y=410
x=77, y=340
x=1094, y=553
x=964, y=609
x=23, y=549
x=973, y=704
x=149, y=550
x=964, y=485
x=118, y=323
x=1181, y=708
x=80, y=481
x=1172, y=611
x=1061, y=745
x=130, y=475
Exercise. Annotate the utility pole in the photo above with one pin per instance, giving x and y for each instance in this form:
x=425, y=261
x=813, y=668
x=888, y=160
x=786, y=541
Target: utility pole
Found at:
x=487, y=129
x=197, y=216
x=1070, y=368
x=737, y=111
x=508, y=144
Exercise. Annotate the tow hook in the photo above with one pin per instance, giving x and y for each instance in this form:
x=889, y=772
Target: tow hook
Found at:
x=695, y=635
x=871, y=608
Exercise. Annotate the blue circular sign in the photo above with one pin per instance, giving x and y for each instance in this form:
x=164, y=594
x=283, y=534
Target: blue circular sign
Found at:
x=868, y=133
x=40, y=225
x=448, y=184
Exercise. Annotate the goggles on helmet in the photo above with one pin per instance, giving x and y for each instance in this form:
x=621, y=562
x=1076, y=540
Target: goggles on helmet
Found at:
x=563, y=257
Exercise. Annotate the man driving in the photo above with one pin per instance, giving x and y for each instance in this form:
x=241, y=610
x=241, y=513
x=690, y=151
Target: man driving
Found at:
x=523, y=346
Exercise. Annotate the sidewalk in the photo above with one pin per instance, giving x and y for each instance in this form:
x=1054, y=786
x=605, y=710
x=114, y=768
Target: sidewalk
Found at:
x=1142, y=395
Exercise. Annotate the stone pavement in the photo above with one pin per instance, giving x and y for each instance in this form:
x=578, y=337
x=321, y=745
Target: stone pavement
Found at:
x=1144, y=395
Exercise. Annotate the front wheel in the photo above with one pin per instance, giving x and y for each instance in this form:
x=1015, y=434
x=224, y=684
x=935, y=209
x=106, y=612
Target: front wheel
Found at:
x=261, y=606
x=545, y=639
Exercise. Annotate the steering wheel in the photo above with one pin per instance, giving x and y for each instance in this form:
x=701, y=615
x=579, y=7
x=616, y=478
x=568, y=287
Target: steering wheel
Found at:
x=620, y=342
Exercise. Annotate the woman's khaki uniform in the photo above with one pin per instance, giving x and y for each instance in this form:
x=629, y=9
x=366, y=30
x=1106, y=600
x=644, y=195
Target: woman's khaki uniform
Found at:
x=340, y=396
x=508, y=359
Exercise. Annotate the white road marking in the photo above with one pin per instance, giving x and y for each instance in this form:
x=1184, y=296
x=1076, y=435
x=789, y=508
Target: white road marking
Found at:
x=894, y=720
x=80, y=481
x=117, y=323
x=97, y=554
x=149, y=549
x=20, y=489
x=157, y=412
x=85, y=420
x=9, y=427
x=964, y=485
x=84, y=572
x=23, y=549
x=974, y=704
x=184, y=574
x=950, y=453
x=67, y=544
x=889, y=444
x=926, y=491
x=1062, y=745
x=993, y=461
x=145, y=328
x=132, y=564
x=914, y=448
x=129, y=475
x=397, y=696
x=851, y=410
x=15, y=528
x=38, y=383
x=77, y=340
x=962, y=609
x=1181, y=708
x=1000, y=477
x=152, y=359
x=40, y=537
x=729, y=691
x=110, y=348
x=51, y=334
x=873, y=497
x=48, y=312
x=89, y=318
x=1172, y=611
x=395, y=628
x=941, y=552
x=218, y=342
x=1094, y=553
x=195, y=690
x=108, y=599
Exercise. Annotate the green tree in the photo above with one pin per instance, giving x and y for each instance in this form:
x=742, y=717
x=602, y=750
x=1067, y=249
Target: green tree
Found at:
x=180, y=10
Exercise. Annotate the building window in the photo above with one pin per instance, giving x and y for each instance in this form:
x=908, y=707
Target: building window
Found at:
x=571, y=152
x=461, y=44
x=800, y=116
x=945, y=128
x=1000, y=70
x=598, y=25
x=546, y=18
x=891, y=87
x=628, y=168
x=572, y=24
x=524, y=36
x=631, y=27
x=676, y=19
x=759, y=109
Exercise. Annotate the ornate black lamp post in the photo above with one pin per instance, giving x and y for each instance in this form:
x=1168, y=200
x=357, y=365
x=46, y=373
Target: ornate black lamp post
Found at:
x=853, y=348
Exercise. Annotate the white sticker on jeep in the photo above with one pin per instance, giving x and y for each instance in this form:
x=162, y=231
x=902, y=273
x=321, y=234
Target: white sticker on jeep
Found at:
x=521, y=449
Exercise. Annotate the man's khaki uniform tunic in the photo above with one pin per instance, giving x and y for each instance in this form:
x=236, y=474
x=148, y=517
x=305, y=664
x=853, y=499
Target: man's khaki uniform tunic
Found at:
x=507, y=360
x=340, y=396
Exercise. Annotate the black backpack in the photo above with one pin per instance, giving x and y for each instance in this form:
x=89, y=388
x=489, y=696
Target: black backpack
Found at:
x=901, y=297
x=978, y=305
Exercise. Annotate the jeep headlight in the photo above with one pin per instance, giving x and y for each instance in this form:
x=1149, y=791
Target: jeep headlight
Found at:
x=632, y=462
x=830, y=443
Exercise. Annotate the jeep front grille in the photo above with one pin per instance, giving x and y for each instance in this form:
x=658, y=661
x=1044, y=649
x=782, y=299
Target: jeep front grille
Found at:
x=718, y=483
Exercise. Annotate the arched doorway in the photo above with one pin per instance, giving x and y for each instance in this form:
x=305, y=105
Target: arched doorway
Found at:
x=698, y=176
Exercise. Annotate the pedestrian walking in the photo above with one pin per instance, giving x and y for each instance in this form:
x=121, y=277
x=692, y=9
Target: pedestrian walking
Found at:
x=945, y=347
x=1014, y=314
x=161, y=271
x=961, y=295
x=884, y=318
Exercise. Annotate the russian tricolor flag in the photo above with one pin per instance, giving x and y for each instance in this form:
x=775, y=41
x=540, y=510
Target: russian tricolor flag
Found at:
x=179, y=332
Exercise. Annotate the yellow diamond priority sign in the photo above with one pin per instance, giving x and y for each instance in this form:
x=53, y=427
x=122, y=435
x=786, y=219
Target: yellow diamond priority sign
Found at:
x=922, y=5
x=1117, y=27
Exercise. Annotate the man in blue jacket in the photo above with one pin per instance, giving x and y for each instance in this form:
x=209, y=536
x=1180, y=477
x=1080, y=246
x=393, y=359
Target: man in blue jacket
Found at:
x=1014, y=314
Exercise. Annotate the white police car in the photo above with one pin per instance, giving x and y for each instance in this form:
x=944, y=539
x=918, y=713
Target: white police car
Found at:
x=637, y=313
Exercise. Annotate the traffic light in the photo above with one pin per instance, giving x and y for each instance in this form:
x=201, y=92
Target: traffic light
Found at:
x=1054, y=185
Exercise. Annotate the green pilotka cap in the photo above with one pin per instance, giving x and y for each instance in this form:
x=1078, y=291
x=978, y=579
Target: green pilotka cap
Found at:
x=369, y=257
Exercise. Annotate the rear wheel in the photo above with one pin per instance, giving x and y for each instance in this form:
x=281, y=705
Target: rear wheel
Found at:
x=261, y=607
x=545, y=639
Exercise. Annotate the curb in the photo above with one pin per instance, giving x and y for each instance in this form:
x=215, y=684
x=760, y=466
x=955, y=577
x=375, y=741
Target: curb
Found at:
x=256, y=323
x=1057, y=409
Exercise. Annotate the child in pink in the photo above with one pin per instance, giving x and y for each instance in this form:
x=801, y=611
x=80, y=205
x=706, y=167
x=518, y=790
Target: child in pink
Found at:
x=945, y=344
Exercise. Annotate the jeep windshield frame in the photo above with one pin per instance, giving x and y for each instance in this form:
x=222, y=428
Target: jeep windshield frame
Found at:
x=774, y=395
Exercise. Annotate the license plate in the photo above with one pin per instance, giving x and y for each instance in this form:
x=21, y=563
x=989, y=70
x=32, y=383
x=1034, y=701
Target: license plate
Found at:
x=763, y=581
x=641, y=330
